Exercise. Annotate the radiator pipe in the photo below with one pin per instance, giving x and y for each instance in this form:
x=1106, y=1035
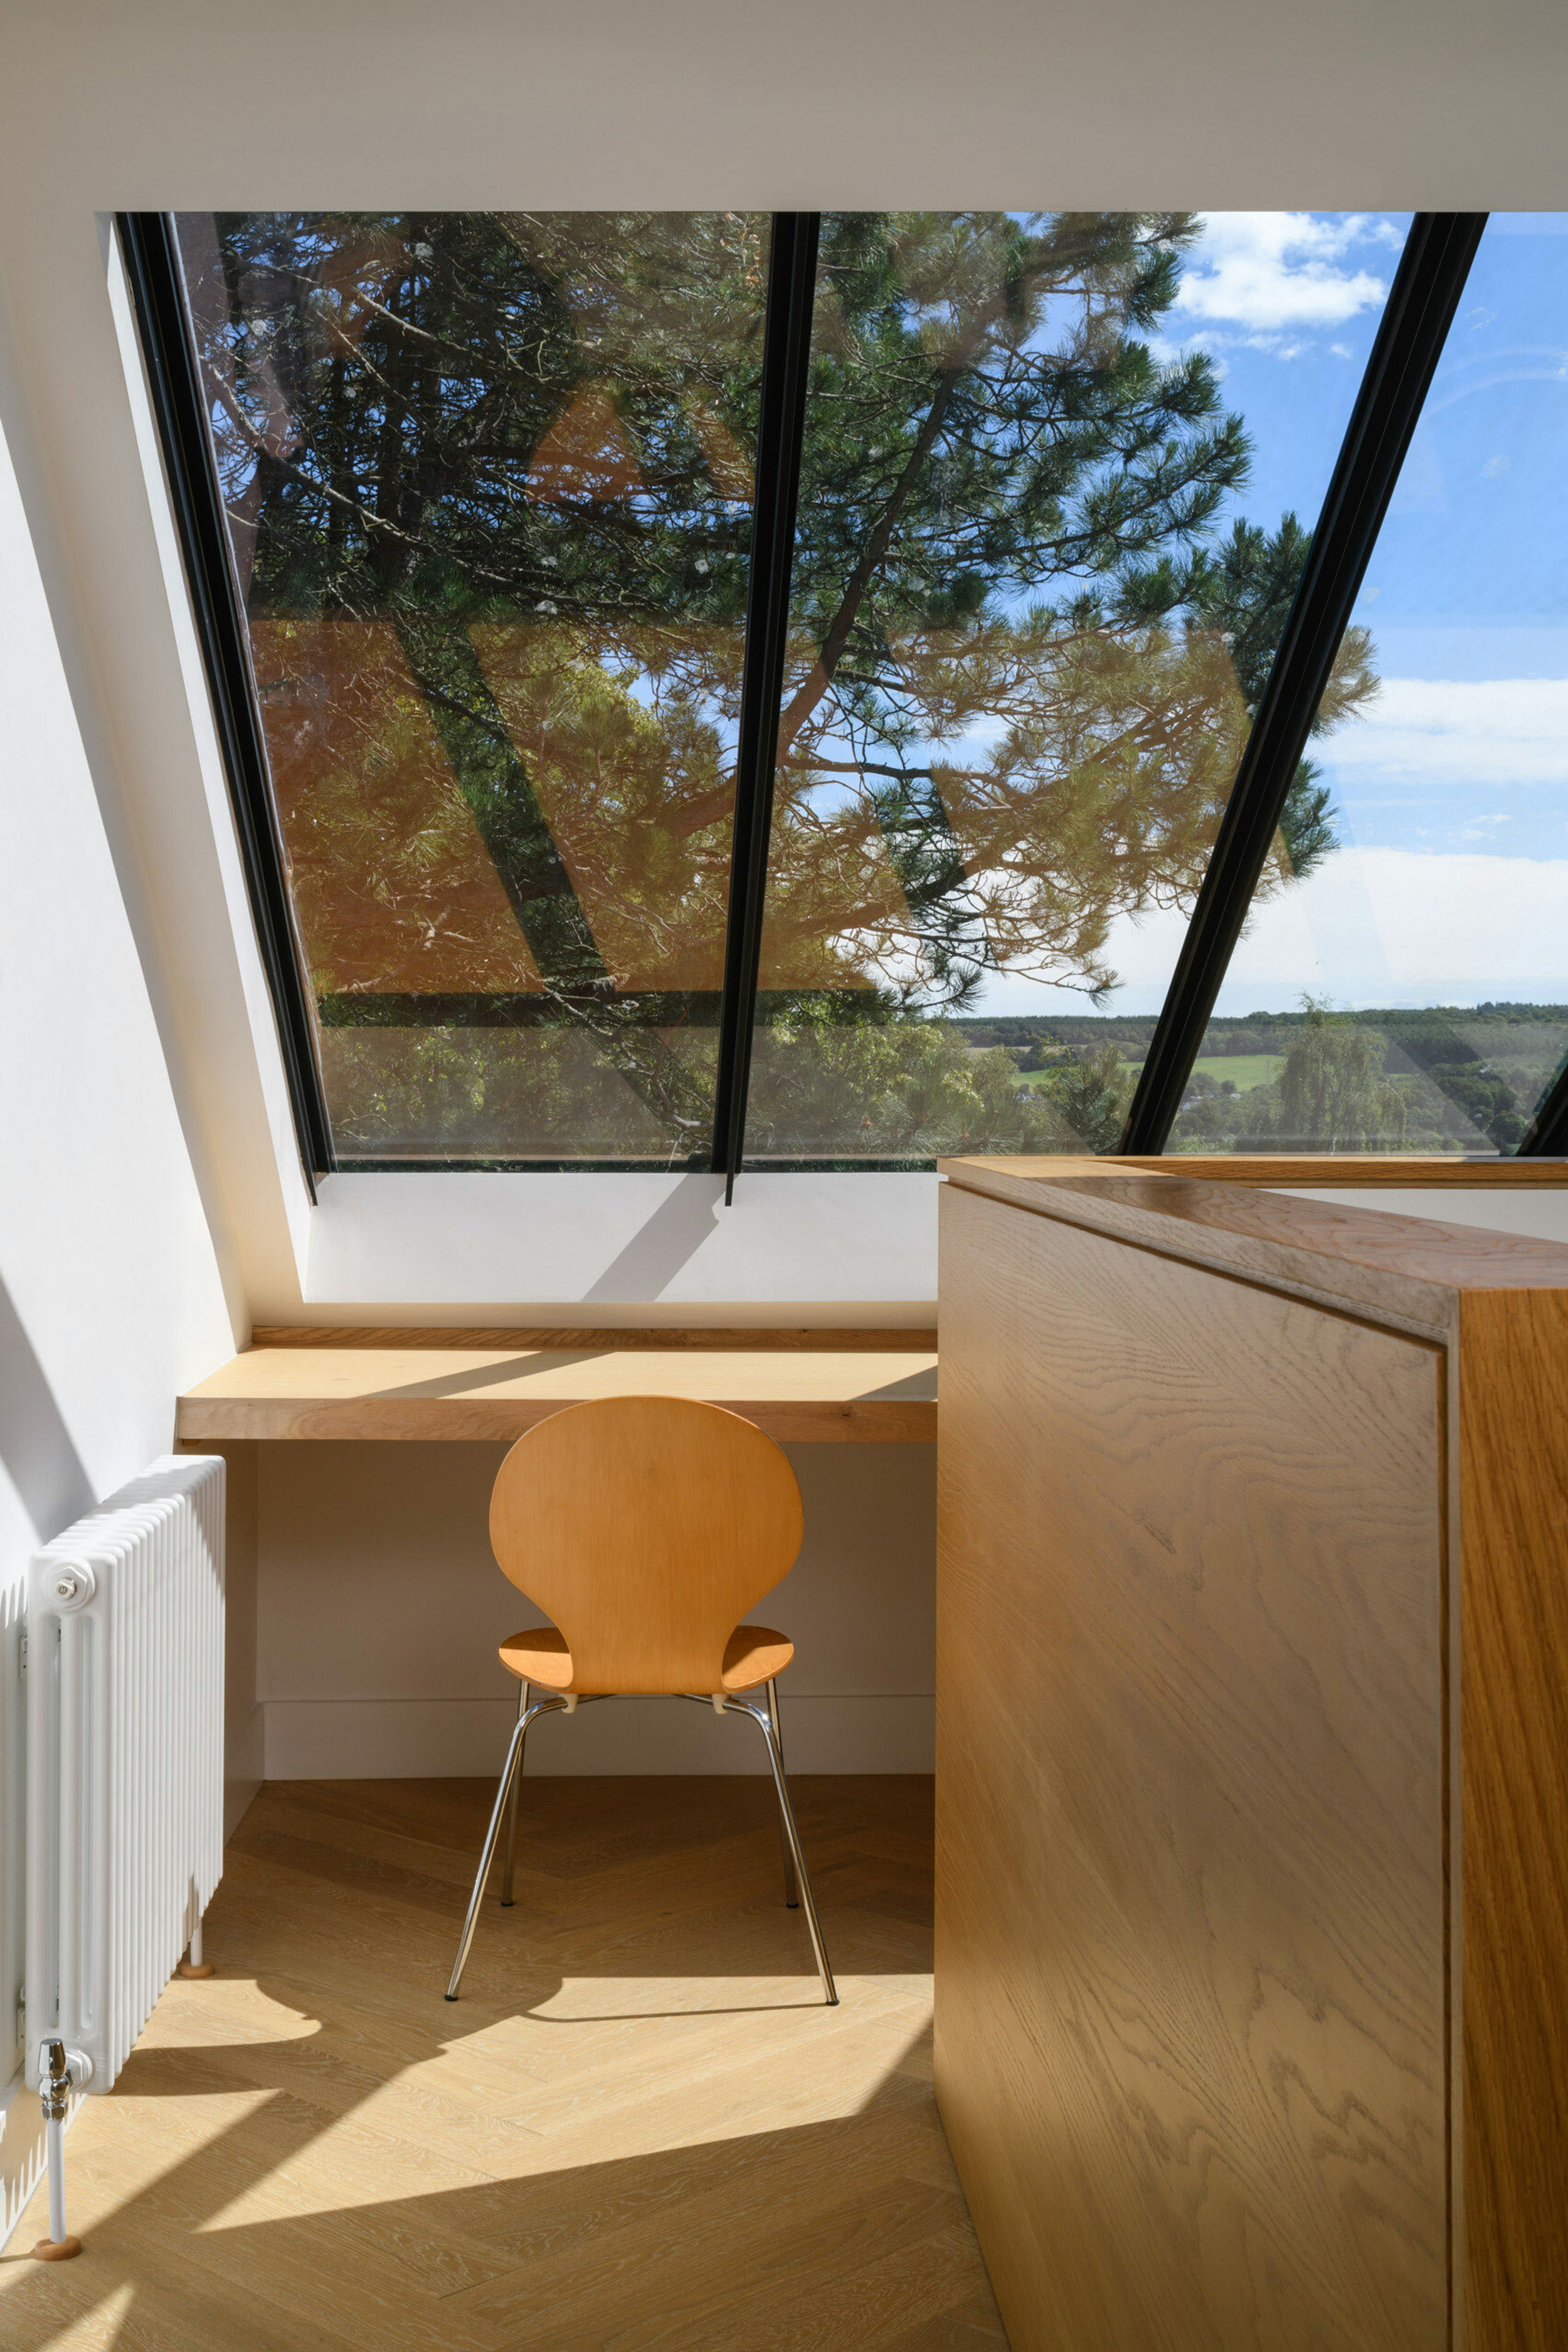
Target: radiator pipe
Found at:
x=55, y=2091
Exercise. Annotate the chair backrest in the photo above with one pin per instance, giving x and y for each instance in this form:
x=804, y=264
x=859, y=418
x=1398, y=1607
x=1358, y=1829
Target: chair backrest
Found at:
x=645, y=1528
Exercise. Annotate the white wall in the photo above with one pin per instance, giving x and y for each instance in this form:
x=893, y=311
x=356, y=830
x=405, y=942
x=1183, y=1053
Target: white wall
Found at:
x=110, y=1292
x=796, y=1248
x=381, y=1608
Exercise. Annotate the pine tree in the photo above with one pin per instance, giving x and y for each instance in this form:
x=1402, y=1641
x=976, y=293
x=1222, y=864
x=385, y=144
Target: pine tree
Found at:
x=488, y=480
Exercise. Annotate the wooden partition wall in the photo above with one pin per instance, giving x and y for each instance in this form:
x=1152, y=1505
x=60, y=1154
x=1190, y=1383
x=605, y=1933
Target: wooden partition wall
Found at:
x=1252, y=1767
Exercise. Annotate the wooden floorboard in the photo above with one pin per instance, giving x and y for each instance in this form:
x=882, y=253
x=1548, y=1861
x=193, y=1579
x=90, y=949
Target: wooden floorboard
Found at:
x=638, y=2129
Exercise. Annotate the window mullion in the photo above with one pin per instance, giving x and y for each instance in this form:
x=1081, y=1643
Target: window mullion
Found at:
x=786, y=359
x=1426, y=293
x=1546, y=1137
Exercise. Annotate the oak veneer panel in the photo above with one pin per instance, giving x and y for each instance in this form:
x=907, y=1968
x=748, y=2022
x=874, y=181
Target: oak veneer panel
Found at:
x=1190, y=2021
x=1353, y=1170
x=646, y=1528
x=1395, y=1269
x=794, y=1394
x=1513, y=1447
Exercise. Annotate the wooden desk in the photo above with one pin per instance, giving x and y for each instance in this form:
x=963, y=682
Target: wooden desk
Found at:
x=1252, y=1765
x=800, y=1387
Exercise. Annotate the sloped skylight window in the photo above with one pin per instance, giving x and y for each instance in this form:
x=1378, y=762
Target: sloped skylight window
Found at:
x=1410, y=993
x=487, y=478
x=1044, y=556
x=825, y=691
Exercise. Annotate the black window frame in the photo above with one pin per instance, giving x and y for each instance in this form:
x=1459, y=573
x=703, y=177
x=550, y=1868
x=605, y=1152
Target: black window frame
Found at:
x=1422, y=302
x=151, y=254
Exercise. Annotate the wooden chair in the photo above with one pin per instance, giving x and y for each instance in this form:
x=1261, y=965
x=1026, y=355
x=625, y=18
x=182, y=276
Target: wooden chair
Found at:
x=645, y=1526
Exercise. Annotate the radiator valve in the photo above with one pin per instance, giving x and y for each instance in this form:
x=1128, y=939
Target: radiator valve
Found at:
x=54, y=2083
x=61, y=2072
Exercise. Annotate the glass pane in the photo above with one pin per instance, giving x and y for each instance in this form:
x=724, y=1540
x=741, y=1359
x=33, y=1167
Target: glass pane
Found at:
x=1059, y=473
x=488, y=479
x=1415, y=979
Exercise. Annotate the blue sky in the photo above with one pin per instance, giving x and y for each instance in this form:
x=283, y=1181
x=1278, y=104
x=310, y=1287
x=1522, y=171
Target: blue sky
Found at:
x=1451, y=881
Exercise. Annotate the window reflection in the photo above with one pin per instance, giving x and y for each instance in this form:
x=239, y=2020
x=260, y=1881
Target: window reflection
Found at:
x=1030, y=621
x=1417, y=980
x=487, y=481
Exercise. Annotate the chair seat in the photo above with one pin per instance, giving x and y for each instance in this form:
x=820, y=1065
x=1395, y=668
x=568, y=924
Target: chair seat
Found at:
x=752, y=1654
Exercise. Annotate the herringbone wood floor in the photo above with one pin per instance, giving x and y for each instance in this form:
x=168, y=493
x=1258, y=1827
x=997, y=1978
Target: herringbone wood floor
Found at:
x=638, y=2128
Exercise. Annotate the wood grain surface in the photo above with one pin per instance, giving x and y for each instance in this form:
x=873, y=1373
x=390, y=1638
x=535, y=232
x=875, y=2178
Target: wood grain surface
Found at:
x=498, y=1391
x=1191, y=2027
x=1513, y=1452
x=1397, y=1269
x=646, y=1528
x=641, y=2130
x=751, y=1338
x=1353, y=1170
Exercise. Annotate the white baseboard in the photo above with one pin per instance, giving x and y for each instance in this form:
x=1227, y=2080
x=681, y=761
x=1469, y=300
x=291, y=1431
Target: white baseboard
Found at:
x=437, y=1738
x=245, y=1769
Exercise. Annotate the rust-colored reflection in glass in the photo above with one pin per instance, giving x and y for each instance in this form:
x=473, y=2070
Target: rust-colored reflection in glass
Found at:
x=487, y=478
x=1029, y=625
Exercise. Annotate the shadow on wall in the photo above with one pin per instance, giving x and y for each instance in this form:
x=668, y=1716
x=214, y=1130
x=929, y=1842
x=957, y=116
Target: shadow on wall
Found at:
x=669, y=1241
x=36, y=1446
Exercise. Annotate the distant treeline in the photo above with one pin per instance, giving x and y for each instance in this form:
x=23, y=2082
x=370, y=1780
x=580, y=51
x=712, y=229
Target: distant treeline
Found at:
x=1430, y=1027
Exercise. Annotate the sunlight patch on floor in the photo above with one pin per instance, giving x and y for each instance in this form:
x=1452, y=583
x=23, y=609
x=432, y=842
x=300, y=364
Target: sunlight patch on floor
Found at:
x=784, y=2069
x=313, y=2151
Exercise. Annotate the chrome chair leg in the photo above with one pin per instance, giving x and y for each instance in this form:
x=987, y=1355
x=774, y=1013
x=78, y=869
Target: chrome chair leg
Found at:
x=803, y=1877
x=512, y=1803
x=791, y=1890
x=514, y=1754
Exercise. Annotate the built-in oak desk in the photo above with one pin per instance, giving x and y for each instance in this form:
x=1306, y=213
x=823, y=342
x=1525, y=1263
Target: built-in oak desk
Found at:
x=800, y=1386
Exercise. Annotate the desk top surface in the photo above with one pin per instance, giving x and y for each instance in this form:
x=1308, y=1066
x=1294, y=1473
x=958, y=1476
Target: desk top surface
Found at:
x=794, y=1391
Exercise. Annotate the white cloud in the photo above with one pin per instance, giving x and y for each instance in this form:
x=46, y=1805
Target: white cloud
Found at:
x=1370, y=927
x=1398, y=927
x=1272, y=270
x=1394, y=926
x=1442, y=730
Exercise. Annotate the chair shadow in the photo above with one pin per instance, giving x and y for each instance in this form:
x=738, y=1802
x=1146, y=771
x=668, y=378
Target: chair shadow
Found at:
x=555, y=2253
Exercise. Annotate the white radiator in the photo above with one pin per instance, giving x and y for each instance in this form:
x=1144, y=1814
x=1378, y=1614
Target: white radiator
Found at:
x=125, y=1758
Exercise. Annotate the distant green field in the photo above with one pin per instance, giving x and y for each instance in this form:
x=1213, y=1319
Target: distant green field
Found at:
x=1245, y=1069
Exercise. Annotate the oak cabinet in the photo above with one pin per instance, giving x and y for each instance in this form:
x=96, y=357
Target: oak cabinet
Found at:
x=1252, y=1767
